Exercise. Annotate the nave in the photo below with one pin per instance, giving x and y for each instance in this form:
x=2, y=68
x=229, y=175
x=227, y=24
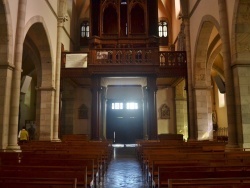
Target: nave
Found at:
x=124, y=170
x=80, y=163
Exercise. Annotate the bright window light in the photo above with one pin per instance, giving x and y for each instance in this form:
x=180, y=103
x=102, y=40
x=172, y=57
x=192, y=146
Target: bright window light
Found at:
x=117, y=106
x=221, y=98
x=132, y=106
x=163, y=29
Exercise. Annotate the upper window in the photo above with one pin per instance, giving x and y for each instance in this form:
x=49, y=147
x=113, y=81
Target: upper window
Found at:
x=163, y=29
x=131, y=106
x=85, y=29
x=163, y=32
x=117, y=106
x=128, y=106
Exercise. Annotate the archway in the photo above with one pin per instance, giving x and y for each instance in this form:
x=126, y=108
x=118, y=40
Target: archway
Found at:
x=208, y=70
x=37, y=64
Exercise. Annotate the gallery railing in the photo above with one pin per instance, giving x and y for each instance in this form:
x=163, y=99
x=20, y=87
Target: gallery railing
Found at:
x=139, y=56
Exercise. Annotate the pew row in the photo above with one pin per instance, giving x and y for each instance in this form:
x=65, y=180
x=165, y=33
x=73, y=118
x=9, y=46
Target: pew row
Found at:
x=14, y=182
x=166, y=176
x=234, y=182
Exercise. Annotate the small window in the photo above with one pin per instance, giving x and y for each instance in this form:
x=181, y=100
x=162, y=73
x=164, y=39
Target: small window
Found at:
x=117, y=106
x=163, y=29
x=163, y=33
x=132, y=106
x=85, y=30
x=221, y=98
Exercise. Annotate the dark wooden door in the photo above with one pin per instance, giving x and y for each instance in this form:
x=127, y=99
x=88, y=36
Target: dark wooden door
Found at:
x=124, y=126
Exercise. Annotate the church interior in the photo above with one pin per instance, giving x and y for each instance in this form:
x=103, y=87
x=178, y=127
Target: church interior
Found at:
x=160, y=84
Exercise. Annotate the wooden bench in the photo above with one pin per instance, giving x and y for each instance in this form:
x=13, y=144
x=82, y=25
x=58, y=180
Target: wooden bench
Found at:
x=242, y=182
x=100, y=156
x=203, y=158
x=60, y=159
x=165, y=176
x=14, y=182
x=80, y=175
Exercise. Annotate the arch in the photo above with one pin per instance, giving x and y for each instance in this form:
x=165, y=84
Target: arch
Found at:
x=210, y=62
x=38, y=41
x=201, y=49
x=240, y=25
x=37, y=31
x=110, y=22
x=6, y=40
x=137, y=19
x=207, y=41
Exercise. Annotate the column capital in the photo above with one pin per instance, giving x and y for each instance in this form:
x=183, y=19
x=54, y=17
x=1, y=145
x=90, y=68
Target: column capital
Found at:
x=8, y=66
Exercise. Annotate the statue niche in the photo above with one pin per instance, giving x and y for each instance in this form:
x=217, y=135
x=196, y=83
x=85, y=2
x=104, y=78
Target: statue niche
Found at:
x=165, y=112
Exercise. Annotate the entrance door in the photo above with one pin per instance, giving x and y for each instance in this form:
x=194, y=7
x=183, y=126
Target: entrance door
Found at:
x=124, y=122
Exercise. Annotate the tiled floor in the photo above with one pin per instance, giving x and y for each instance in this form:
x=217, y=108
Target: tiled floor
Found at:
x=124, y=171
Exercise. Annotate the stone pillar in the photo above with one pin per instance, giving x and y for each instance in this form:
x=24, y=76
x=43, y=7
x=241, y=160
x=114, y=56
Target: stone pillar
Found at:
x=45, y=113
x=151, y=108
x=16, y=81
x=203, y=102
x=145, y=114
x=103, y=128
x=95, y=109
x=60, y=24
x=230, y=97
x=6, y=73
x=189, y=83
x=181, y=110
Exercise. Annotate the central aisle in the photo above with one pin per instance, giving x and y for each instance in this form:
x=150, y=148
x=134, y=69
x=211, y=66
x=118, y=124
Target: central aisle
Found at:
x=124, y=170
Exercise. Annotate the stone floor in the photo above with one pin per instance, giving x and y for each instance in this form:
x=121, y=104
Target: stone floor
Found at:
x=124, y=171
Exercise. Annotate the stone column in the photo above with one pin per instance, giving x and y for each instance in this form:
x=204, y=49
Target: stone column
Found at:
x=203, y=107
x=230, y=98
x=16, y=81
x=151, y=108
x=6, y=73
x=189, y=84
x=60, y=25
x=181, y=110
x=45, y=112
x=145, y=115
x=95, y=108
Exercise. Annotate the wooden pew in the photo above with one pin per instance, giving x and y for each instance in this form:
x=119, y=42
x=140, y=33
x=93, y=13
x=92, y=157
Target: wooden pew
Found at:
x=163, y=158
x=71, y=151
x=165, y=176
x=14, y=182
x=169, y=159
x=241, y=182
x=75, y=145
x=197, y=168
x=48, y=161
x=37, y=172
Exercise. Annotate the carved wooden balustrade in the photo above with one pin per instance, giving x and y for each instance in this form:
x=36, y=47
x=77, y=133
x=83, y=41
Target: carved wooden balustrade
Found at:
x=132, y=61
x=139, y=56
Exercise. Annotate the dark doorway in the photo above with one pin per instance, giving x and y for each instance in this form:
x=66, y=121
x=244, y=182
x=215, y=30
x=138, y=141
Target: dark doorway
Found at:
x=124, y=121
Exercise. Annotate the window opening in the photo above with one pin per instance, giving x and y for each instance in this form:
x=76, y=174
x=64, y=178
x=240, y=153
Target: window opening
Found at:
x=221, y=98
x=117, y=106
x=132, y=106
x=120, y=106
x=163, y=29
x=85, y=29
